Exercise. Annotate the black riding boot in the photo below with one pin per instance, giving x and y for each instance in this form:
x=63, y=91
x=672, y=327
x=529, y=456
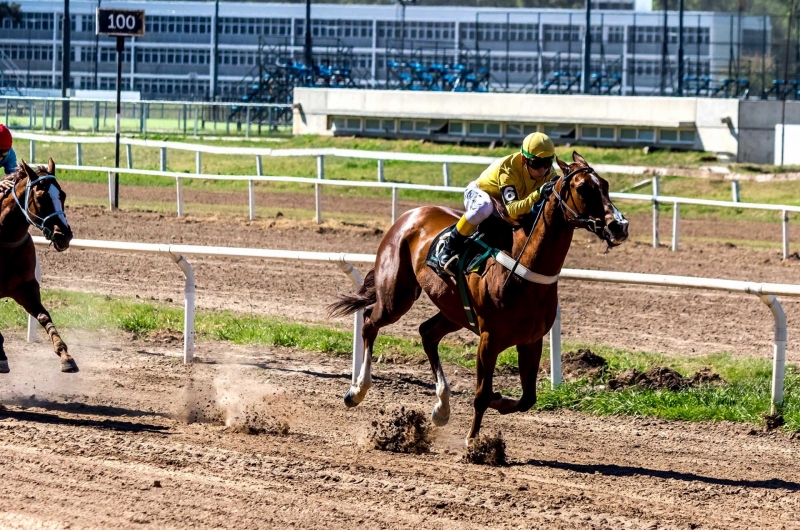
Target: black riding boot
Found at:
x=453, y=245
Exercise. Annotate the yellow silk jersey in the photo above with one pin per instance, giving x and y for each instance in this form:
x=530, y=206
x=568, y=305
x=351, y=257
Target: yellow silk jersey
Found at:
x=508, y=180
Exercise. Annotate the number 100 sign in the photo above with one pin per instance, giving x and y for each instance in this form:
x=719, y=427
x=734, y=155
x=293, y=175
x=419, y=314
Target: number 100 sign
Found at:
x=120, y=22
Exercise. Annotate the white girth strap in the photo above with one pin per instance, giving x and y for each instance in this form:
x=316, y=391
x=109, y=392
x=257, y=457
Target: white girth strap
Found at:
x=523, y=272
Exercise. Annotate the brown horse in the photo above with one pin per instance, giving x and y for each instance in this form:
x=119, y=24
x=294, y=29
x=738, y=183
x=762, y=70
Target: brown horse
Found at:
x=35, y=200
x=517, y=314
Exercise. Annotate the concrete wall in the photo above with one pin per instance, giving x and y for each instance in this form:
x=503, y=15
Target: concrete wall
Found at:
x=743, y=130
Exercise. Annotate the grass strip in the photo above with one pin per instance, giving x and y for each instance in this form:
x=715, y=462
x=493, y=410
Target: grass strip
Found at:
x=745, y=396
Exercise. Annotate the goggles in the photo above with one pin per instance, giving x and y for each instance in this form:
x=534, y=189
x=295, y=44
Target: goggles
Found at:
x=536, y=162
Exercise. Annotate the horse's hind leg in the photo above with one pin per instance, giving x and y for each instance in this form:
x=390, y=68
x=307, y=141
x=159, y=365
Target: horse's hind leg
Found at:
x=396, y=291
x=29, y=297
x=432, y=332
x=3, y=359
x=487, y=359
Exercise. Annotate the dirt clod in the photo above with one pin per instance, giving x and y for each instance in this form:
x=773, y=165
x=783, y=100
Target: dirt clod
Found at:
x=405, y=431
x=662, y=378
x=582, y=364
x=487, y=450
x=250, y=420
x=773, y=421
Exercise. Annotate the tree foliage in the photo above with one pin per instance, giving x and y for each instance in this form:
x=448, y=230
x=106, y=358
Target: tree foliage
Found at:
x=11, y=11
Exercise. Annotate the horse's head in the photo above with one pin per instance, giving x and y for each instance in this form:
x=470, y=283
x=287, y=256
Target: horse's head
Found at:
x=583, y=197
x=43, y=202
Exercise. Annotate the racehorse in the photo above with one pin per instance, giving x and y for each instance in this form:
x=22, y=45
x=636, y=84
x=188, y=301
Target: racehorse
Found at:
x=514, y=303
x=37, y=200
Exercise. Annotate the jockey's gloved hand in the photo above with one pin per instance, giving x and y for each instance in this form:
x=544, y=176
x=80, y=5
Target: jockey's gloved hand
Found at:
x=5, y=185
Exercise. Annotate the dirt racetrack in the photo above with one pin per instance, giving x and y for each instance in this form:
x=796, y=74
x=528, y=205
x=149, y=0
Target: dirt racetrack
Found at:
x=110, y=447
x=136, y=439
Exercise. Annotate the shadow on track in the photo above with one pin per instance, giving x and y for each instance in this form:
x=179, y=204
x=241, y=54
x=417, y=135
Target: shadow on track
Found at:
x=630, y=471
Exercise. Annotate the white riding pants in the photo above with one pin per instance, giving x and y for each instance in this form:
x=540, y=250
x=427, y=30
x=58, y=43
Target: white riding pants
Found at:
x=477, y=203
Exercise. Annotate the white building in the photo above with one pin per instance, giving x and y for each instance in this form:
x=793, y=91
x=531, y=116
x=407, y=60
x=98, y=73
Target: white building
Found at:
x=524, y=48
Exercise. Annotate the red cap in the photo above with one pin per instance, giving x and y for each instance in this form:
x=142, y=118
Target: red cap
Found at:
x=5, y=138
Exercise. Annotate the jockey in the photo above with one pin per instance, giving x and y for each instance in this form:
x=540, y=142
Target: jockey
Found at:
x=8, y=158
x=516, y=180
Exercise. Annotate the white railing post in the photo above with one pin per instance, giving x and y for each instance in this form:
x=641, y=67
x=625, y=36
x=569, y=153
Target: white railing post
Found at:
x=380, y=171
x=32, y=152
x=78, y=154
x=163, y=159
x=778, y=350
x=259, y=166
x=196, y=118
x=735, y=190
x=318, y=188
x=33, y=324
x=555, y=349
x=785, y=232
x=394, y=205
x=129, y=155
x=247, y=123
x=655, y=211
x=188, y=307
x=198, y=162
x=446, y=173
x=112, y=191
x=251, y=195
x=676, y=212
x=179, y=192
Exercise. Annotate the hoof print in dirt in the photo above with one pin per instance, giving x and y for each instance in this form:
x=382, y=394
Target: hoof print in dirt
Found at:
x=404, y=431
x=773, y=421
x=662, y=378
x=487, y=450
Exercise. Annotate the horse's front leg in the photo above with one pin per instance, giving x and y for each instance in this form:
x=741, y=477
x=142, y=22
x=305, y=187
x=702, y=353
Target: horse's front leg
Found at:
x=29, y=297
x=3, y=359
x=528, y=358
x=486, y=361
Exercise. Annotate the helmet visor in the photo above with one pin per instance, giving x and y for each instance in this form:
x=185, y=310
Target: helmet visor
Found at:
x=536, y=162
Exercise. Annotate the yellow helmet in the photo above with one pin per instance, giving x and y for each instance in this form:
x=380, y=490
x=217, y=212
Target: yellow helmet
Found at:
x=538, y=145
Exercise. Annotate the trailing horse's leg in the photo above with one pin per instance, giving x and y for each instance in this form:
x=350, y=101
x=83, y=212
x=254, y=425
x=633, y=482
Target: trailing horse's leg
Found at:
x=432, y=331
x=3, y=359
x=487, y=359
x=528, y=356
x=356, y=393
x=29, y=297
x=396, y=290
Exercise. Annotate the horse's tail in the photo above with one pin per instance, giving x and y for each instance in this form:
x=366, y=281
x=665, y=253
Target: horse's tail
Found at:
x=350, y=303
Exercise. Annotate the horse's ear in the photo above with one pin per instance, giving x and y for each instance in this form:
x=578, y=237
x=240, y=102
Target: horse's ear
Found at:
x=28, y=170
x=578, y=159
x=51, y=167
x=563, y=165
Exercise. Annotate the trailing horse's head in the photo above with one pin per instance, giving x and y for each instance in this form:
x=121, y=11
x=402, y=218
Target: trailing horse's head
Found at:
x=583, y=197
x=43, y=203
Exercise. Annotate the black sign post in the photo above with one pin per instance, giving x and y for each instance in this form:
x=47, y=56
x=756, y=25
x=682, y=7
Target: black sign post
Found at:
x=119, y=23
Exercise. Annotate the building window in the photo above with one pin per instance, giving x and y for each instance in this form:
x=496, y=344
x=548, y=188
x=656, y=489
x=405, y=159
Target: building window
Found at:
x=493, y=129
x=388, y=125
x=406, y=126
x=629, y=134
x=476, y=129
x=456, y=127
x=371, y=124
x=597, y=133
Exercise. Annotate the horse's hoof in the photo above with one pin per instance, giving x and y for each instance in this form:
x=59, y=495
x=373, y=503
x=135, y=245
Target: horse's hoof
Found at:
x=349, y=400
x=440, y=417
x=69, y=367
x=4, y=367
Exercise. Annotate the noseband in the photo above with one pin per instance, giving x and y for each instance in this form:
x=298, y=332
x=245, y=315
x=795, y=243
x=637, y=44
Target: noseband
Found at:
x=33, y=219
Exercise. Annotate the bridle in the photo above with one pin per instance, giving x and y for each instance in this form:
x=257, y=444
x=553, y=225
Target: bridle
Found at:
x=570, y=215
x=33, y=219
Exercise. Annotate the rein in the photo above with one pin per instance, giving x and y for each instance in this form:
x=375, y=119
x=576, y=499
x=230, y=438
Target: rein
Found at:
x=32, y=218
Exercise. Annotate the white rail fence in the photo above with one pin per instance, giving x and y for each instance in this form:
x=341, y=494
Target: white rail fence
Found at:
x=395, y=187
x=766, y=292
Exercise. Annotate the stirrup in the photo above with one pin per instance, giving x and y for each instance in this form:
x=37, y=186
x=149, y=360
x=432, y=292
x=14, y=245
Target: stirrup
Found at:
x=451, y=261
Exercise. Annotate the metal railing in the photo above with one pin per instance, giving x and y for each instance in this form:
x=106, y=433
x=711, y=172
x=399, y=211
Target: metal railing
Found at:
x=142, y=117
x=766, y=292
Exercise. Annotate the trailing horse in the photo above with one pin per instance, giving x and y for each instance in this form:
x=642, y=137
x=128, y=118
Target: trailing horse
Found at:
x=514, y=300
x=37, y=200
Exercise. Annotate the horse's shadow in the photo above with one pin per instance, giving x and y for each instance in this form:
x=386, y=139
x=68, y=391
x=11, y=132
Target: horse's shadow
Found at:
x=629, y=471
x=78, y=407
x=54, y=419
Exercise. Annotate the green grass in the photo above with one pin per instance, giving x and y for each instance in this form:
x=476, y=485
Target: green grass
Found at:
x=744, y=397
